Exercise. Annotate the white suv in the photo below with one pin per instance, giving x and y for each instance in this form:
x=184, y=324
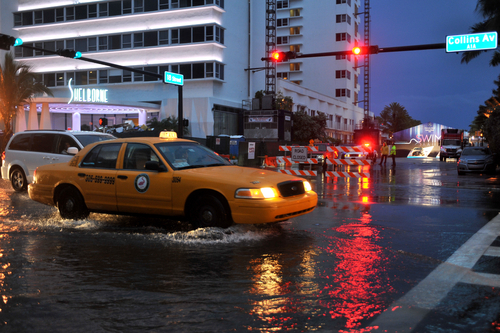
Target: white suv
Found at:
x=29, y=149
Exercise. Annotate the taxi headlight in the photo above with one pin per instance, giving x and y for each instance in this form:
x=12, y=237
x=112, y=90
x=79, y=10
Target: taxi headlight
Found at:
x=307, y=186
x=256, y=193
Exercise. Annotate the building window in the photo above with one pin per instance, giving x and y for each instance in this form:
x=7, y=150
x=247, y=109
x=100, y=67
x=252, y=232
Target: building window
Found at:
x=339, y=2
x=103, y=76
x=343, y=74
x=103, y=43
x=343, y=36
x=282, y=40
x=282, y=4
x=344, y=18
x=294, y=67
x=127, y=41
x=294, y=12
x=282, y=22
x=163, y=37
x=295, y=31
x=282, y=75
x=59, y=79
x=342, y=93
x=103, y=9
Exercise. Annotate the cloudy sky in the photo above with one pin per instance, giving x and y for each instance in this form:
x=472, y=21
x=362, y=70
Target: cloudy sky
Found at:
x=432, y=85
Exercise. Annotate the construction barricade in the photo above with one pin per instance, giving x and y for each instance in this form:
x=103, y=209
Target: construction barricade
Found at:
x=301, y=155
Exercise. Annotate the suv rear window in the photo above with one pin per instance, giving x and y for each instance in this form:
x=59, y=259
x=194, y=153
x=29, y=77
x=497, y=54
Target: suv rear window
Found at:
x=20, y=142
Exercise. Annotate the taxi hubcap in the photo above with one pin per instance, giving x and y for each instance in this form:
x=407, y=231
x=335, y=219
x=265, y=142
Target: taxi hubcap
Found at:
x=70, y=205
x=207, y=216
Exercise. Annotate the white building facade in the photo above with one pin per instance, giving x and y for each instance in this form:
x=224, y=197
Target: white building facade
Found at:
x=212, y=43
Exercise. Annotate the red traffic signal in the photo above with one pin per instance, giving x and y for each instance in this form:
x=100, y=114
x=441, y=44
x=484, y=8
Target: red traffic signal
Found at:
x=362, y=50
x=279, y=56
x=103, y=121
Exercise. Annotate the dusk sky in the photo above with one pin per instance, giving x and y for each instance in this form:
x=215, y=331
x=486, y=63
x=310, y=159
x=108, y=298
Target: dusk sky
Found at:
x=433, y=86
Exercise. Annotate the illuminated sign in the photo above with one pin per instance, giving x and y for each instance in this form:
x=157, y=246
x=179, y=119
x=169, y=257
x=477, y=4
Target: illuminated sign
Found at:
x=87, y=95
x=472, y=42
x=173, y=78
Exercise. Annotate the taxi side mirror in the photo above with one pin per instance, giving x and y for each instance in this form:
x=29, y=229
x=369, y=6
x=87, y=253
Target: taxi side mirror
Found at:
x=72, y=150
x=154, y=166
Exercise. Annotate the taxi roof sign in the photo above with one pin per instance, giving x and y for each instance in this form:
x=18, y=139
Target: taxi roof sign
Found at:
x=168, y=135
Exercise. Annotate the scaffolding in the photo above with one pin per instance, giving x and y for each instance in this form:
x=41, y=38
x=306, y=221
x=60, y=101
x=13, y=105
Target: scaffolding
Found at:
x=270, y=46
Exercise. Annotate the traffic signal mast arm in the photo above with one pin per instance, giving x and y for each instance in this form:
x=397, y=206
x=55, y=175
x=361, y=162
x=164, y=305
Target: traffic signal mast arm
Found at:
x=372, y=49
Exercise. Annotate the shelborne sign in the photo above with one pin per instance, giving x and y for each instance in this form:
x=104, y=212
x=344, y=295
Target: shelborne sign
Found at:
x=87, y=95
x=472, y=42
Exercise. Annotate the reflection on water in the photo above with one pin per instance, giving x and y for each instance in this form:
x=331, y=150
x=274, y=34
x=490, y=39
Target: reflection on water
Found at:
x=358, y=278
x=284, y=300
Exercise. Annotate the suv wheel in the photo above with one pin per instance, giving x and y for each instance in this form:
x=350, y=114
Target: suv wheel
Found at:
x=18, y=180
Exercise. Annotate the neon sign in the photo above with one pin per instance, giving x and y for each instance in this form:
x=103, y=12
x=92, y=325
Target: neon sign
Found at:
x=88, y=95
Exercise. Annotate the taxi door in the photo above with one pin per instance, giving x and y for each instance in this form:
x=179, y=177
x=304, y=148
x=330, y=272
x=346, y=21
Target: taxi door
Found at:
x=97, y=177
x=139, y=190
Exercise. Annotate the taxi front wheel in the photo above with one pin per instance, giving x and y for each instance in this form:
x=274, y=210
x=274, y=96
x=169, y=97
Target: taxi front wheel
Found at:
x=71, y=204
x=210, y=212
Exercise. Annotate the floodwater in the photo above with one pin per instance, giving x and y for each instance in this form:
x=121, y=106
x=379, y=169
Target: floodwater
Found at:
x=336, y=269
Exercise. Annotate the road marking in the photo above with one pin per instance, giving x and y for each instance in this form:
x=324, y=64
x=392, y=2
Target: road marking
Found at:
x=404, y=314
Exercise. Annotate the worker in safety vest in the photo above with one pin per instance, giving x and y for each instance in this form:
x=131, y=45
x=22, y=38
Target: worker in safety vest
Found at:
x=384, y=152
x=393, y=154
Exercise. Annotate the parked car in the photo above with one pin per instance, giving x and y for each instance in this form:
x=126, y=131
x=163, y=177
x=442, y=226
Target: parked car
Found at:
x=28, y=150
x=166, y=176
x=476, y=159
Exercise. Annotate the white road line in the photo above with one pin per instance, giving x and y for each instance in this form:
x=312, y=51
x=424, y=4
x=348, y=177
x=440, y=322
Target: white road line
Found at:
x=493, y=251
x=404, y=314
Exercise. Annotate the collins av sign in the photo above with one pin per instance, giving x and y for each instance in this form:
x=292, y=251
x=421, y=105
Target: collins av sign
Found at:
x=472, y=42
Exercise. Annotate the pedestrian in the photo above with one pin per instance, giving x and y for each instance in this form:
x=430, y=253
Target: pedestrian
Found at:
x=384, y=152
x=393, y=155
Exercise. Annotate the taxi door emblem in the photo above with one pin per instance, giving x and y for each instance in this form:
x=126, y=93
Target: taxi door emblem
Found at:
x=141, y=183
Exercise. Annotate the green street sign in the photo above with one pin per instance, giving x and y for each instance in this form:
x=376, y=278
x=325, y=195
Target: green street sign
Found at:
x=472, y=42
x=173, y=78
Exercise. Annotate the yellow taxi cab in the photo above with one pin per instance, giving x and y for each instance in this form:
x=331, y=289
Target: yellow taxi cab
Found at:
x=167, y=176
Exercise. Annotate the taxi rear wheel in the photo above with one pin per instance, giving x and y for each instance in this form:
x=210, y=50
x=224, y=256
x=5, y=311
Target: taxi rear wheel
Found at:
x=210, y=212
x=18, y=180
x=71, y=204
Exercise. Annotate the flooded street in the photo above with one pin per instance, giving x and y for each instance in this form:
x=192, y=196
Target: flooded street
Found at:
x=369, y=243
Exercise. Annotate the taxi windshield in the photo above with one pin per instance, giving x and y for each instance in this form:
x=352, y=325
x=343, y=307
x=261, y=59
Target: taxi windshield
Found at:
x=189, y=155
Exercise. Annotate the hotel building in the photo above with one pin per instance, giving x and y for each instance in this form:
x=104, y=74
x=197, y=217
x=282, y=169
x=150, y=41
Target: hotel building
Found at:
x=216, y=44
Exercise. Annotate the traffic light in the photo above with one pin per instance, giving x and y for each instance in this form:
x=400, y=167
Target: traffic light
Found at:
x=279, y=56
x=185, y=122
x=7, y=41
x=362, y=50
x=103, y=121
x=69, y=53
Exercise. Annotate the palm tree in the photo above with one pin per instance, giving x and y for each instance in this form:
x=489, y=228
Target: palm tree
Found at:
x=394, y=118
x=17, y=87
x=490, y=10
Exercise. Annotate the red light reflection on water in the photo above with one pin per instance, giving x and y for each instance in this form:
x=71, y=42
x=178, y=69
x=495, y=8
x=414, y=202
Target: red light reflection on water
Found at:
x=356, y=279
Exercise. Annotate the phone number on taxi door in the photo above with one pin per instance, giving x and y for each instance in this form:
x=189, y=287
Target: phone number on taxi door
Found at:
x=100, y=179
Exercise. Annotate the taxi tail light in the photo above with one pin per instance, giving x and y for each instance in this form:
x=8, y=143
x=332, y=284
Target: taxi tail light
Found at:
x=3, y=156
x=256, y=193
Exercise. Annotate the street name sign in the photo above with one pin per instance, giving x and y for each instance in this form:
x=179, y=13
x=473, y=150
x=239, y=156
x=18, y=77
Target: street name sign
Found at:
x=173, y=78
x=472, y=42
